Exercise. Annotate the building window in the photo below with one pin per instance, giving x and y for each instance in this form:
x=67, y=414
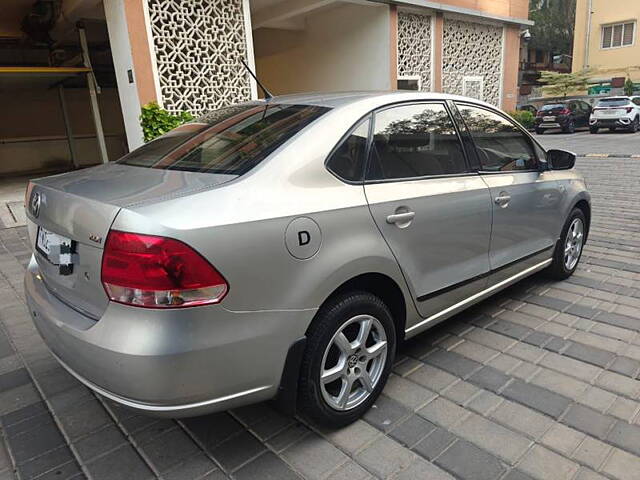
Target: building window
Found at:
x=618, y=35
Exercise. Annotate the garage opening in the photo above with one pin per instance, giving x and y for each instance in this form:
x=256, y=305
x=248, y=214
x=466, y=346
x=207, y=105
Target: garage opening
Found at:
x=49, y=123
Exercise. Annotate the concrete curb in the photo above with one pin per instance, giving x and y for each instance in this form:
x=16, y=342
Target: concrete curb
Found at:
x=608, y=155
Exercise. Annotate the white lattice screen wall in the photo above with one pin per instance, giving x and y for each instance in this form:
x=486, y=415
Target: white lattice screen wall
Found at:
x=198, y=46
x=472, y=51
x=414, y=47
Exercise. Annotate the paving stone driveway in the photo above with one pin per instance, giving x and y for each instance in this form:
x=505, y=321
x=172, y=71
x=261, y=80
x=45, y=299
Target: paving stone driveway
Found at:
x=540, y=382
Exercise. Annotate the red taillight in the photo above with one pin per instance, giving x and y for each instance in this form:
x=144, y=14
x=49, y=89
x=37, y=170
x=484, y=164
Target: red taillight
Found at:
x=629, y=109
x=158, y=272
x=540, y=113
x=564, y=111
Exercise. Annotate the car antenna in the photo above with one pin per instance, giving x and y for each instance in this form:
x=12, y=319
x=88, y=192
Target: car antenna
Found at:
x=267, y=94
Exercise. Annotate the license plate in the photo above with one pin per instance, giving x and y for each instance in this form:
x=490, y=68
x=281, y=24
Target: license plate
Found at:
x=55, y=248
x=549, y=118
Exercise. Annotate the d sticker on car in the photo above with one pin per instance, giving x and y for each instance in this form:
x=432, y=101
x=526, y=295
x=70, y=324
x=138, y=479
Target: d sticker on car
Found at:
x=303, y=238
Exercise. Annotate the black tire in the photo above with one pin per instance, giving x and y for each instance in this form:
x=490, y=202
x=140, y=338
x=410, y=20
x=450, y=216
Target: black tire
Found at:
x=539, y=131
x=594, y=130
x=558, y=269
x=328, y=321
x=633, y=128
x=570, y=128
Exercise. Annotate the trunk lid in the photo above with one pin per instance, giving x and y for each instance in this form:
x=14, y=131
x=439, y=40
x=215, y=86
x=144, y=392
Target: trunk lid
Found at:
x=81, y=206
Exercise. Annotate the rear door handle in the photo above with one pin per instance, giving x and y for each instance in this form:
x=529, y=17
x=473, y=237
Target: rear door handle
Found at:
x=401, y=217
x=502, y=200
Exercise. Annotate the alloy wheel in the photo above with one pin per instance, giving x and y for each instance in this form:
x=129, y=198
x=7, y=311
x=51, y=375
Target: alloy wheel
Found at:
x=573, y=244
x=353, y=362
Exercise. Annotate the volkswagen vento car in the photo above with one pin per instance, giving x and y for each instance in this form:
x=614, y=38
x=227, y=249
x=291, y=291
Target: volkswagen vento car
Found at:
x=285, y=248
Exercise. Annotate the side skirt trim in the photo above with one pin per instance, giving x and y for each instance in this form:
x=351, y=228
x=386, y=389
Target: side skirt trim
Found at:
x=478, y=296
x=436, y=293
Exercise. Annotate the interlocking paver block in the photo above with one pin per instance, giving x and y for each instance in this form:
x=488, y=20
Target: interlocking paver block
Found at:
x=268, y=467
x=353, y=437
x=120, y=464
x=452, y=362
x=522, y=419
x=469, y=462
x=412, y=430
x=538, y=398
x=422, y=469
x=443, y=412
x=543, y=464
x=591, y=452
x=435, y=443
x=385, y=457
x=385, y=413
x=237, y=450
x=492, y=437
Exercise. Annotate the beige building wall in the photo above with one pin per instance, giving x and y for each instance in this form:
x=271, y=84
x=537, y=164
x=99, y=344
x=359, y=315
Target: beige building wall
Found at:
x=346, y=47
x=588, y=52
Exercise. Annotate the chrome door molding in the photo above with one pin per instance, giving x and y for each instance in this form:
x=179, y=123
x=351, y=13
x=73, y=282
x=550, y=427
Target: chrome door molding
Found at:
x=453, y=309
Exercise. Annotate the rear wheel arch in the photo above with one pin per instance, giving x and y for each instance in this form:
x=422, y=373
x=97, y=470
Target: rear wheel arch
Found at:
x=383, y=287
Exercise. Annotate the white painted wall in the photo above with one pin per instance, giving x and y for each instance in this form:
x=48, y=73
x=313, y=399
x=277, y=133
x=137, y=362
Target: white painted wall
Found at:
x=123, y=61
x=345, y=47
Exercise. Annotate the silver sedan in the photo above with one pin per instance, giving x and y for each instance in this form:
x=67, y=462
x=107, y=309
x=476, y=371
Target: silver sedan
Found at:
x=285, y=248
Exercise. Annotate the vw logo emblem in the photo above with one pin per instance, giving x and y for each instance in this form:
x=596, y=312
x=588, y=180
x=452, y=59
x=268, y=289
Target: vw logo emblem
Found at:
x=35, y=204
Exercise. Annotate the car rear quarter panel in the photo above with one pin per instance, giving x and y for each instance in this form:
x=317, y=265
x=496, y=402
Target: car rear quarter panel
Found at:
x=240, y=226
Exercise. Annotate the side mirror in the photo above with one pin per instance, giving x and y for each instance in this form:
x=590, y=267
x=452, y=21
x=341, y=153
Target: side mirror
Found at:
x=561, y=159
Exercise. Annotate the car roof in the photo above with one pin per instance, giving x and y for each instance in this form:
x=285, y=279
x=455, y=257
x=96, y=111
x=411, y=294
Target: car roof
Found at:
x=341, y=99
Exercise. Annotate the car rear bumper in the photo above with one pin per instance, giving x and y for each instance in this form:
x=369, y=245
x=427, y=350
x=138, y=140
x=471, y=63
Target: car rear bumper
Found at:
x=173, y=363
x=559, y=122
x=610, y=122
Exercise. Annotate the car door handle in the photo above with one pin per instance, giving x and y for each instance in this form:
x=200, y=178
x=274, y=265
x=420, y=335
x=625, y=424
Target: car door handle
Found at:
x=401, y=217
x=502, y=199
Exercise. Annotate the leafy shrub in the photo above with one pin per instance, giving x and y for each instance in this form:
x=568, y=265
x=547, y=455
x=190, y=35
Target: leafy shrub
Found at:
x=524, y=118
x=157, y=121
x=628, y=87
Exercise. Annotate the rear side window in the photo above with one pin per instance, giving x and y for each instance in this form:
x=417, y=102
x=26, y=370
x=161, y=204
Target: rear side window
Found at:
x=228, y=141
x=501, y=144
x=414, y=141
x=347, y=161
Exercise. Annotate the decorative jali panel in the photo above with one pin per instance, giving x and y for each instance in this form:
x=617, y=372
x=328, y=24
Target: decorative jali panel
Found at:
x=472, y=51
x=198, y=46
x=414, y=47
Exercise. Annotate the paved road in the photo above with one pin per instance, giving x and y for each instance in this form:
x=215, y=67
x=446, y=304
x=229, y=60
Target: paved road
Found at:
x=540, y=382
x=583, y=143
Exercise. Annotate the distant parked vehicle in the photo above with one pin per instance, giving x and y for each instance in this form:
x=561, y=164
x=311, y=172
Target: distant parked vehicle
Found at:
x=528, y=108
x=567, y=115
x=616, y=112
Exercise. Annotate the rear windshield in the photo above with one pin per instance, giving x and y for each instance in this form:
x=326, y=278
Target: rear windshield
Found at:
x=231, y=140
x=552, y=107
x=614, y=102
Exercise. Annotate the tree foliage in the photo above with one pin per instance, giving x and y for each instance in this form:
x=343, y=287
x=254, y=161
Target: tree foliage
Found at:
x=554, y=25
x=157, y=121
x=628, y=87
x=524, y=118
x=562, y=84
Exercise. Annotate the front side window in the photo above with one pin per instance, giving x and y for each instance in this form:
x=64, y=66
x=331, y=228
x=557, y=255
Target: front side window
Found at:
x=412, y=141
x=227, y=141
x=618, y=35
x=347, y=161
x=501, y=145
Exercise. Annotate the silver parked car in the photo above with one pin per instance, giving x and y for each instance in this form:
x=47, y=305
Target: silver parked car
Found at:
x=285, y=248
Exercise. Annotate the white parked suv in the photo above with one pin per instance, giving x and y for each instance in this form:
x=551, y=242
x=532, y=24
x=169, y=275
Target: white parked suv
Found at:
x=616, y=112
